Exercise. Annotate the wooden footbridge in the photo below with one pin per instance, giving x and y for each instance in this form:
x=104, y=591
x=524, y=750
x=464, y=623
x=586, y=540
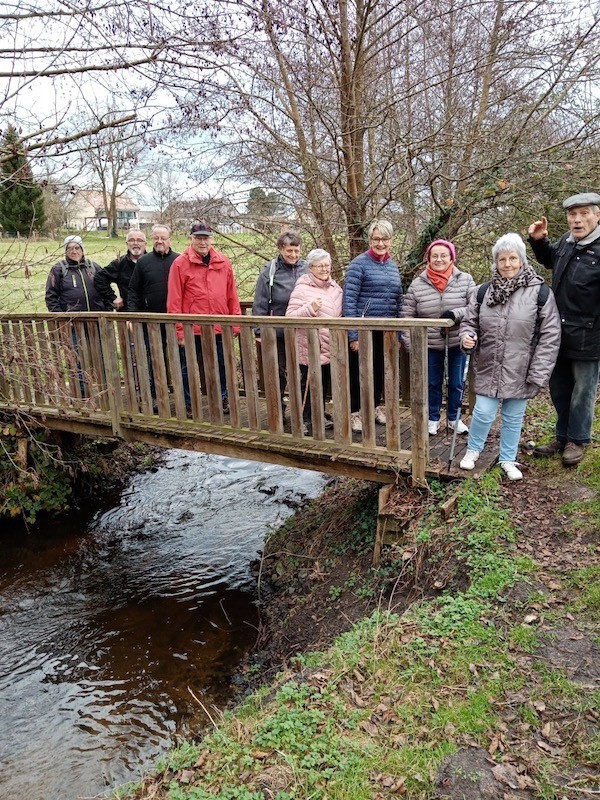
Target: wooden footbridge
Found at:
x=120, y=375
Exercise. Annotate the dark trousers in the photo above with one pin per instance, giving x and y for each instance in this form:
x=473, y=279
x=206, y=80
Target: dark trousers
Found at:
x=281, y=367
x=326, y=380
x=456, y=366
x=378, y=376
x=163, y=336
x=220, y=361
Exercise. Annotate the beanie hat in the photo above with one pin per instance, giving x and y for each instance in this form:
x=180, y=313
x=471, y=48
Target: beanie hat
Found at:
x=445, y=243
x=73, y=240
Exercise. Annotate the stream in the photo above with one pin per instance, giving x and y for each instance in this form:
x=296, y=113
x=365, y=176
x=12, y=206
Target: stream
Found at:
x=108, y=618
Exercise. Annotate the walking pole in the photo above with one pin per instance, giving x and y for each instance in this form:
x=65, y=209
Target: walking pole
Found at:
x=446, y=373
x=459, y=410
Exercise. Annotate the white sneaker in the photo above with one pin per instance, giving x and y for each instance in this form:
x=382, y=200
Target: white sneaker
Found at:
x=380, y=417
x=513, y=473
x=304, y=429
x=433, y=427
x=356, y=422
x=469, y=459
x=459, y=425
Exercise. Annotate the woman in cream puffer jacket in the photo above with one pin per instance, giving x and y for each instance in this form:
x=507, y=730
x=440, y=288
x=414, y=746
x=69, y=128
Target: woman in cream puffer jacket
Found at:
x=315, y=294
x=441, y=290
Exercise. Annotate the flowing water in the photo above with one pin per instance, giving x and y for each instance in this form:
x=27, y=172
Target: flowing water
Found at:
x=108, y=620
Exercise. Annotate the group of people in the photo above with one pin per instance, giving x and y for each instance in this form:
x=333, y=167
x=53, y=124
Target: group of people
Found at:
x=520, y=334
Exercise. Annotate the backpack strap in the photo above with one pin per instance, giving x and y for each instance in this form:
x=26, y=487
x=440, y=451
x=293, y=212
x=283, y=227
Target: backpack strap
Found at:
x=481, y=292
x=542, y=296
x=272, y=270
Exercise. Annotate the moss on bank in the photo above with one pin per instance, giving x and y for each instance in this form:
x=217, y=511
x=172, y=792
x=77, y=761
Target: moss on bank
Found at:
x=44, y=474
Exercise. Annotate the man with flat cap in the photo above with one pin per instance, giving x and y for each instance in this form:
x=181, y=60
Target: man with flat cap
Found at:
x=575, y=263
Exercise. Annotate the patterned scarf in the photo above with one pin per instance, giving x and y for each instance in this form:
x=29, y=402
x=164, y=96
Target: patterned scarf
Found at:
x=502, y=288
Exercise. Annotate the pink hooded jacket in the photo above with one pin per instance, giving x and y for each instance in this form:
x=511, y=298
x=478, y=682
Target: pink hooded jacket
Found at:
x=307, y=289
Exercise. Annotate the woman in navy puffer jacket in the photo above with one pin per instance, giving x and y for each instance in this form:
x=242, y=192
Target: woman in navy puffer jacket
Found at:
x=373, y=288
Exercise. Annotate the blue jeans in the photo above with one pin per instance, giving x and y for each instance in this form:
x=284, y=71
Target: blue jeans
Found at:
x=220, y=360
x=484, y=413
x=456, y=366
x=573, y=388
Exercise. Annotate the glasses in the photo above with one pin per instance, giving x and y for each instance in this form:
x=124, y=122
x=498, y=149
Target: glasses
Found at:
x=321, y=267
x=136, y=241
x=380, y=239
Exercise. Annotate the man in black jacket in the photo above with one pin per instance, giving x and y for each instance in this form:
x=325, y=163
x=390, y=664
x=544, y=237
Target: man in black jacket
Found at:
x=575, y=263
x=148, y=285
x=120, y=270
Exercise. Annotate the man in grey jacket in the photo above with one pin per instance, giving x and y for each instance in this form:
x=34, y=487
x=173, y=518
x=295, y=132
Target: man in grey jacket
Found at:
x=575, y=263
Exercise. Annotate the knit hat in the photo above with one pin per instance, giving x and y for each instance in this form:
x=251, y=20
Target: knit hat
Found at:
x=445, y=243
x=73, y=240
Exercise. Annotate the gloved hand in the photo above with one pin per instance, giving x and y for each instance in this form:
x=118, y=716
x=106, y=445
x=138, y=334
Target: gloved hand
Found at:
x=447, y=315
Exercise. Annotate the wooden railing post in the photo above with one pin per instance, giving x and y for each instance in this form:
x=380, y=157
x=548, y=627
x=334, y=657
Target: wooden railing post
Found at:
x=113, y=376
x=419, y=404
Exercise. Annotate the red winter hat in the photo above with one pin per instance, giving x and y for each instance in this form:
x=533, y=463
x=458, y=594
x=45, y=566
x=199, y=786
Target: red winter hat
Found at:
x=445, y=243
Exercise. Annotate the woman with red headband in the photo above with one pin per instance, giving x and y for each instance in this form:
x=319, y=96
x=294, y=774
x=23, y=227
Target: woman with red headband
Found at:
x=441, y=290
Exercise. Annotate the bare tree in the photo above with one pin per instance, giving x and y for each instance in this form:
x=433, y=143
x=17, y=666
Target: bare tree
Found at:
x=434, y=116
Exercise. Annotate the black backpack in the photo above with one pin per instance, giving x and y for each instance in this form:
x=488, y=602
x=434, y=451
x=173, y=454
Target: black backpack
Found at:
x=543, y=293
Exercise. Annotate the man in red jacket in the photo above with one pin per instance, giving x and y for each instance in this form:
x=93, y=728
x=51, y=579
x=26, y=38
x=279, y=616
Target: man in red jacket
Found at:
x=201, y=281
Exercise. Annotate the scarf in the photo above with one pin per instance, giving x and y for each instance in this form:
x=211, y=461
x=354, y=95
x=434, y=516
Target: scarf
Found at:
x=502, y=288
x=591, y=237
x=381, y=259
x=440, y=279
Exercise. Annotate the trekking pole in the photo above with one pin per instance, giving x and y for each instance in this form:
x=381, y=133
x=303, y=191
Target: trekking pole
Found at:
x=459, y=410
x=446, y=374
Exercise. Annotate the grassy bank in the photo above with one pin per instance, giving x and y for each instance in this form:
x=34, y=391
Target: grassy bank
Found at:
x=468, y=685
x=24, y=263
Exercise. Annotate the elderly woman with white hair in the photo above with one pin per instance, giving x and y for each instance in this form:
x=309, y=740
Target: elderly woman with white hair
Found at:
x=373, y=288
x=315, y=294
x=512, y=327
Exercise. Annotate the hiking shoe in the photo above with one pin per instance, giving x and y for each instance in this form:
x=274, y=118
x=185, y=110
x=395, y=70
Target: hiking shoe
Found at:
x=433, y=427
x=513, y=473
x=304, y=429
x=225, y=405
x=550, y=449
x=356, y=422
x=380, y=417
x=572, y=454
x=459, y=425
x=328, y=424
x=469, y=459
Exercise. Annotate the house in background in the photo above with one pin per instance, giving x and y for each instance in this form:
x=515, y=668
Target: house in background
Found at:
x=85, y=211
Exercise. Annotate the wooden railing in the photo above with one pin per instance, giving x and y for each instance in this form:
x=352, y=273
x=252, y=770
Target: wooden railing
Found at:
x=123, y=367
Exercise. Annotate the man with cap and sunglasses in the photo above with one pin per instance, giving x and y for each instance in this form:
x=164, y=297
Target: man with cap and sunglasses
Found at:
x=575, y=263
x=201, y=281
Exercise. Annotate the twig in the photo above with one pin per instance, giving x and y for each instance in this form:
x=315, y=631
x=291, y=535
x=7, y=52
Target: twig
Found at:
x=203, y=707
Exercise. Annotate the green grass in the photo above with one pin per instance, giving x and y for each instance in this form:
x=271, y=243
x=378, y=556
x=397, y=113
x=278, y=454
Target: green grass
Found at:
x=24, y=264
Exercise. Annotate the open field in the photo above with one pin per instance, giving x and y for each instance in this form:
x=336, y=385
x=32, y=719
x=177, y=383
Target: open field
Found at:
x=24, y=264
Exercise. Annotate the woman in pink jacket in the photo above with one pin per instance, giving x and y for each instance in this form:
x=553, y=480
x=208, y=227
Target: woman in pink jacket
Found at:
x=315, y=294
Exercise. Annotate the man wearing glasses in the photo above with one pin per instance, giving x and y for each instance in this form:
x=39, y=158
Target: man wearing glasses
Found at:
x=119, y=272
